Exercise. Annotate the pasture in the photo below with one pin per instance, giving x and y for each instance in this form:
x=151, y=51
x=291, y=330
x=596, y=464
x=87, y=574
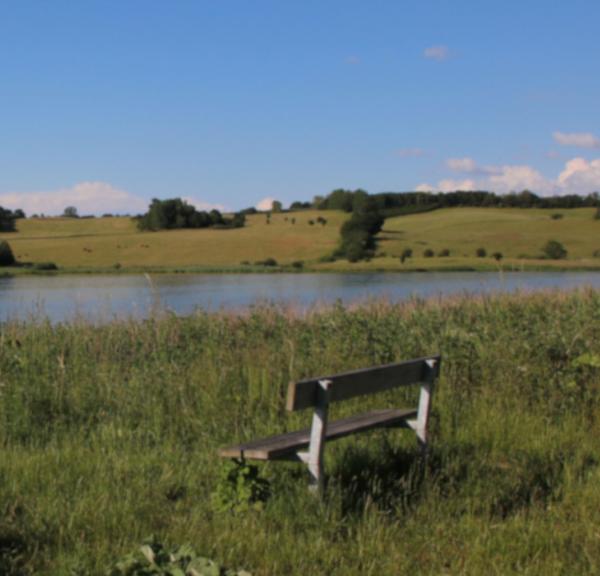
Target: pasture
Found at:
x=109, y=434
x=107, y=244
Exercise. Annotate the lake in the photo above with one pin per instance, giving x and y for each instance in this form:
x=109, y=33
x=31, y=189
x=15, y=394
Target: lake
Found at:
x=101, y=298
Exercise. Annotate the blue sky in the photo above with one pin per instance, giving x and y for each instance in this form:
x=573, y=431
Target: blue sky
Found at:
x=106, y=104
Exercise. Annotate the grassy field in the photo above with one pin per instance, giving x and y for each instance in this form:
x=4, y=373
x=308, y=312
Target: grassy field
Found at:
x=519, y=234
x=104, y=242
x=109, y=434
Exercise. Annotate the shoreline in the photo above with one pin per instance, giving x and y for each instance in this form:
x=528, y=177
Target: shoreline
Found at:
x=337, y=267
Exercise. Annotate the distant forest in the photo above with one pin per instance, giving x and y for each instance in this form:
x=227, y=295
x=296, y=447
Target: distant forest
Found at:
x=398, y=203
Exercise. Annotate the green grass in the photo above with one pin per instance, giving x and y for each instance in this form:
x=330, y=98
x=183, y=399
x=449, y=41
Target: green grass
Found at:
x=110, y=433
x=519, y=234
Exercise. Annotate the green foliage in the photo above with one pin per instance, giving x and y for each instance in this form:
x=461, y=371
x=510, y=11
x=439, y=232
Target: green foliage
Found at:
x=555, y=250
x=444, y=253
x=276, y=207
x=240, y=488
x=406, y=253
x=70, y=212
x=176, y=213
x=557, y=216
x=154, y=559
x=266, y=262
x=428, y=253
x=481, y=252
x=358, y=232
x=7, y=219
x=298, y=264
x=7, y=258
x=497, y=256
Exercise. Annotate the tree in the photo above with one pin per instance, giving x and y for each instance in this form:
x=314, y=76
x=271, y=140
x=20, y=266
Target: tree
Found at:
x=19, y=214
x=276, y=206
x=70, y=212
x=406, y=253
x=7, y=258
x=7, y=220
x=481, y=253
x=555, y=250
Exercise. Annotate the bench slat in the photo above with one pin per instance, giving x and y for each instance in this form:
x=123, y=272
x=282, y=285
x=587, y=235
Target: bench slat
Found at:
x=303, y=394
x=284, y=444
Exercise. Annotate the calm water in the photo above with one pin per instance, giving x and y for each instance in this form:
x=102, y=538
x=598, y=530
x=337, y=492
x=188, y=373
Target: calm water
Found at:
x=104, y=297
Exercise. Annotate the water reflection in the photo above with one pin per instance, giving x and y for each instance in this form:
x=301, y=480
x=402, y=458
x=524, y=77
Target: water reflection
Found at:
x=104, y=297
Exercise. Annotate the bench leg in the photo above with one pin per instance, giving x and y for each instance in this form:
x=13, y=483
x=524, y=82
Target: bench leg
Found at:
x=420, y=424
x=314, y=456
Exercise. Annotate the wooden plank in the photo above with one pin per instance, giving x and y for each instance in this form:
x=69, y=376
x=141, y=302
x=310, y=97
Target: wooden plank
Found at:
x=286, y=444
x=303, y=394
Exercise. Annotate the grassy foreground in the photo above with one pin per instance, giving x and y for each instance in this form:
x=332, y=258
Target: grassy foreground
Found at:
x=109, y=434
x=114, y=244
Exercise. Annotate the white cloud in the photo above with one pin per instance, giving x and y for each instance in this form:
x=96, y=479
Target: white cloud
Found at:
x=88, y=197
x=579, y=139
x=410, y=152
x=439, y=53
x=205, y=206
x=580, y=176
x=265, y=203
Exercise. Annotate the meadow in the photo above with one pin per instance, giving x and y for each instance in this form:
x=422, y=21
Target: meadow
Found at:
x=110, y=434
x=112, y=244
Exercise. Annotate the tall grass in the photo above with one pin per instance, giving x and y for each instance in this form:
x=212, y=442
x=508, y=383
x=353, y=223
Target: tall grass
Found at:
x=109, y=434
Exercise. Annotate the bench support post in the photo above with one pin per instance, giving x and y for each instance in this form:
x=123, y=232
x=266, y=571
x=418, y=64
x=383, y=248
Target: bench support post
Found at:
x=314, y=457
x=420, y=424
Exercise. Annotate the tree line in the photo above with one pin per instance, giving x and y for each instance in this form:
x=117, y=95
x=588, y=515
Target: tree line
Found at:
x=176, y=213
x=391, y=203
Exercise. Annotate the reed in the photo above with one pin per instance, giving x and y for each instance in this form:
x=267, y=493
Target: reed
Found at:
x=109, y=433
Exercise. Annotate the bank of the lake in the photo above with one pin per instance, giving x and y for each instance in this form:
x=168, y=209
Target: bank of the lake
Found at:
x=109, y=433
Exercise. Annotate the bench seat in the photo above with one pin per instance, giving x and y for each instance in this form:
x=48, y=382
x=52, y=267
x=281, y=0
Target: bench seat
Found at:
x=287, y=445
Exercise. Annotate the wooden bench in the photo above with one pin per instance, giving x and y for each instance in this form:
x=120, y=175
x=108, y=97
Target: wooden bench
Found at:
x=318, y=393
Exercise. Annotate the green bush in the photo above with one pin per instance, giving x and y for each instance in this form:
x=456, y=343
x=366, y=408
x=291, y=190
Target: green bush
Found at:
x=7, y=258
x=266, y=262
x=497, y=256
x=481, y=252
x=298, y=264
x=554, y=250
x=154, y=559
x=444, y=253
x=406, y=253
x=428, y=253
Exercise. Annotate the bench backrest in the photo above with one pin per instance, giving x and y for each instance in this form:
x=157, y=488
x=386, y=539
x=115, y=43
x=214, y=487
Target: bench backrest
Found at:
x=303, y=394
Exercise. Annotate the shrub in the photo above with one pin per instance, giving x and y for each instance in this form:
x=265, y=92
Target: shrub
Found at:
x=7, y=258
x=555, y=250
x=406, y=253
x=596, y=253
x=153, y=558
x=240, y=488
x=597, y=214
x=444, y=253
x=481, y=253
x=298, y=264
x=497, y=256
x=556, y=216
x=46, y=266
x=428, y=253
x=311, y=222
x=266, y=262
